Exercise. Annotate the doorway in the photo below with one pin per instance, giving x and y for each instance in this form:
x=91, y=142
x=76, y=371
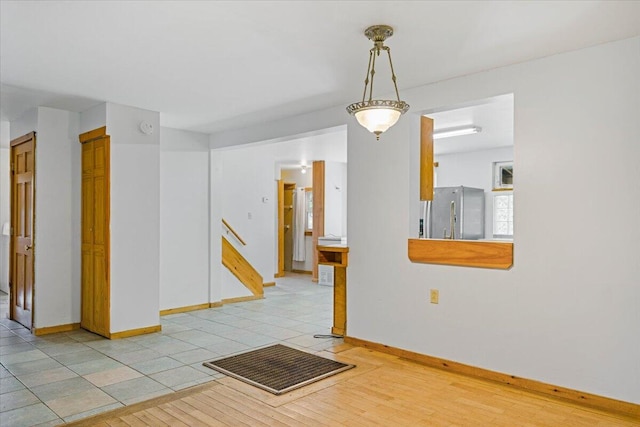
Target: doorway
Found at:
x=21, y=251
x=286, y=191
x=288, y=212
x=296, y=204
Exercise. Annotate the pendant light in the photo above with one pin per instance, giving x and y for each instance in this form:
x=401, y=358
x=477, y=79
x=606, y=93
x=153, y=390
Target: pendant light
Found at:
x=378, y=115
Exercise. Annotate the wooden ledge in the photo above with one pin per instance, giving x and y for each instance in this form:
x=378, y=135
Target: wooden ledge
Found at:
x=466, y=253
x=336, y=255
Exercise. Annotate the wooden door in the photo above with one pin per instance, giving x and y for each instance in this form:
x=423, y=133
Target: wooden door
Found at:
x=95, y=232
x=21, y=278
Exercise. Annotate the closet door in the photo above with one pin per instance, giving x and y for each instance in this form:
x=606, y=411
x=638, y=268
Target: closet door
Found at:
x=21, y=280
x=95, y=232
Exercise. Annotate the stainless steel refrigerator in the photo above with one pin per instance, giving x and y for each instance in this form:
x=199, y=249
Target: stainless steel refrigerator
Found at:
x=461, y=206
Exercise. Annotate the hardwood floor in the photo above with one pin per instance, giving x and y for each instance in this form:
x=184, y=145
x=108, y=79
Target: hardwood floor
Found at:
x=382, y=390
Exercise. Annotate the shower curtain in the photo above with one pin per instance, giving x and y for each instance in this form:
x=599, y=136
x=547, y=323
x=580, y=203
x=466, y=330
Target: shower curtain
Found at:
x=299, y=225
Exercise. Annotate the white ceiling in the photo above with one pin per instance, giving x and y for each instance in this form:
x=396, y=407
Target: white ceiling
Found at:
x=494, y=116
x=289, y=153
x=217, y=65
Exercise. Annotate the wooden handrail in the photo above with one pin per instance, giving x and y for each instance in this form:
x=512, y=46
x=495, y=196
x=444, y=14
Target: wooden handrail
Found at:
x=235, y=234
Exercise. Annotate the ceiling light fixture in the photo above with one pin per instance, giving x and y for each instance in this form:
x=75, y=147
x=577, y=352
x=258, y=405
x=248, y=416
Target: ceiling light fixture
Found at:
x=303, y=168
x=457, y=131
x=378, y=115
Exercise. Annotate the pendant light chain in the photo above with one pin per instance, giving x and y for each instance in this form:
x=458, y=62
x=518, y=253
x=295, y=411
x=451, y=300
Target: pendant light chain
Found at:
x=366, y=77
x=393, y=73
x=373, y=71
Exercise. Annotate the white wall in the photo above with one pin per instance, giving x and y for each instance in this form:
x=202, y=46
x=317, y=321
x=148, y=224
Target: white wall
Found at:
x=242, y=176
x=135, y=218
x=567, y=312
x=135, y=213
x=57, y=256
x=217, y=188
x=232, y=287
x=473, y=169
x=56, y=249
x=295, y=175
x=335, y=199
x=26, y=123
x=184, y=218
x=5, y=213
x=93, y=118
x=57, y=203
x=248, y=176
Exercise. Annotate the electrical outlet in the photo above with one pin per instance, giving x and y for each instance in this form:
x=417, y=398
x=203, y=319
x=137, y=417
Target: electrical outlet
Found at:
x=434, y=296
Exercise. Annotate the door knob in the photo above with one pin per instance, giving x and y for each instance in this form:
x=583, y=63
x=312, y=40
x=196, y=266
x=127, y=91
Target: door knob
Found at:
x=27, y=247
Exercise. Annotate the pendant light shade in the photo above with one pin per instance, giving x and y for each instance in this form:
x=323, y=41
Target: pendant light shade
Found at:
x=377, y=120
x=378, y=115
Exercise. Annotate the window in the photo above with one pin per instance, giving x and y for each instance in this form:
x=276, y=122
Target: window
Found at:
x=502, y=175
x=503, y=215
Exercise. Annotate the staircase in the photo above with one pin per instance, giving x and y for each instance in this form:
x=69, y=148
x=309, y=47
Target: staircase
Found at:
x=238, y=265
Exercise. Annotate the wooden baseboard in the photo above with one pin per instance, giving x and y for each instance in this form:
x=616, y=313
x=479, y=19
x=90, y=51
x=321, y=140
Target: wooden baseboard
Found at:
x=268, y=284
x=566, y=394
x=134, y=332
x=242, y=299
x=275, y=276
x=184, y=309
x=55, y=329
x=302, y=272
x=216, y=304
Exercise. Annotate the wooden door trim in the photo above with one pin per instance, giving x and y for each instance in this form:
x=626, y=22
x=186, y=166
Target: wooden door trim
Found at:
x=31, y=136
x=426, y=159
x=318, y=212
x=280, y=266
x=93, y=134
x=24, y=138
x=288, y=219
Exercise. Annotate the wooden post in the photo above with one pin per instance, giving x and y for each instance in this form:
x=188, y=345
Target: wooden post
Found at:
x=426, y=158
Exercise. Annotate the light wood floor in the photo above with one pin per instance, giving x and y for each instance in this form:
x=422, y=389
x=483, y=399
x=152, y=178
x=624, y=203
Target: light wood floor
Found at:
x=382, y=390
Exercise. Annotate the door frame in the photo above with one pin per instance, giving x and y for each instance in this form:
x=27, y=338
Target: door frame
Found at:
x=318, y=212
x=318, y=178
x=281, y=208
x=280, y=263
x=21, y=140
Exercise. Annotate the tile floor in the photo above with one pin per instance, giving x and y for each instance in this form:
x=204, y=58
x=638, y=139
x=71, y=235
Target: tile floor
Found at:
x=62, y=377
